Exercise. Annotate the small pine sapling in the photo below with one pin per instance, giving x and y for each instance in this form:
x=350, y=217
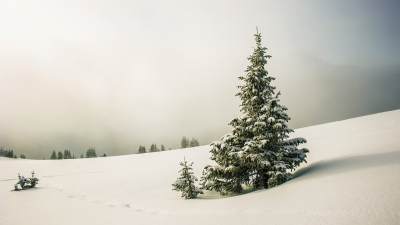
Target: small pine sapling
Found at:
x=186, y=182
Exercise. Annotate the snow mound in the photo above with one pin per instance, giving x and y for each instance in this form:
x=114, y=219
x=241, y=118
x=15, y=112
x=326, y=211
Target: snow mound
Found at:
x=352, y=178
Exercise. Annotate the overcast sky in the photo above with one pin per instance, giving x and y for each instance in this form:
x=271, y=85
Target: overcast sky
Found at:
x=115, y=74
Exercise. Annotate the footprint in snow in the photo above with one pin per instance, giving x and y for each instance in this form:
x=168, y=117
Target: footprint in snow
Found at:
x=97, y=201
x=112, y=205
x=153, y=212
x=139, y=210
x=82, y=197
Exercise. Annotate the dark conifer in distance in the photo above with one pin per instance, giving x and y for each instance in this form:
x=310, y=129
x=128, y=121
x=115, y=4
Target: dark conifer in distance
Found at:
x=67, y=154
x=53, y=155
x=60, y=155
x=184, y=142
x=142, y=149
x=91, y=153
x=194, y=142
x=154, y=148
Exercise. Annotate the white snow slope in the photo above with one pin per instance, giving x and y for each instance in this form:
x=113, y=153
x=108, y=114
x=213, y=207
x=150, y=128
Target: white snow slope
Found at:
x=353, y=177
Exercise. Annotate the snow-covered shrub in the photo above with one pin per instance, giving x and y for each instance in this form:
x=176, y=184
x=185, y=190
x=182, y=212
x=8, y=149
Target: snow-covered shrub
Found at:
x=25, y=183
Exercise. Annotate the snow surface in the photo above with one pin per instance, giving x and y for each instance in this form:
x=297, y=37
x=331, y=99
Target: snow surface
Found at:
x=353, y=177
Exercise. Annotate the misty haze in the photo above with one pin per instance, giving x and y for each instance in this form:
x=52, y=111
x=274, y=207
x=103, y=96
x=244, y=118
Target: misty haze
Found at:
x=115, y=77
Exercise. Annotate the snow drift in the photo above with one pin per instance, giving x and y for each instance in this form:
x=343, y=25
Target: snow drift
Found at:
x=352, y=178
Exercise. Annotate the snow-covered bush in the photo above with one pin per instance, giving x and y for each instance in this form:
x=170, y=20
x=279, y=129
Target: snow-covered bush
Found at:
x=258, y=151
x=25, y=183
x=186, y=182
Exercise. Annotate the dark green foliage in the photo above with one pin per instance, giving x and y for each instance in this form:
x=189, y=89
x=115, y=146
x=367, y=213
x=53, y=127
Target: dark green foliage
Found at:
x=184, y=142
x=22, y=156
x=7, y=153
x=91, y=153
x=142, y=149
x=53, y=155
x=258, y=151
x=162, y=148
x=194, y=142
x=153, y=148
x=67, y=154
x=186, y=181
x=60, y=155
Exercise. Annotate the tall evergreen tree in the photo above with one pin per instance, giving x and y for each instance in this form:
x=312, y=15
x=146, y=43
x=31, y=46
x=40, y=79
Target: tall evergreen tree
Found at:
x=153, y=148
x=142, y=149
x=53, y=155
x=91, y=153
x=67, y=154
x=186, y=182
x=258, y=151
x=7, y=153
x=11, y=154
x=184, y=142
x=194, y=142
x=162, y=148
x=60, y=155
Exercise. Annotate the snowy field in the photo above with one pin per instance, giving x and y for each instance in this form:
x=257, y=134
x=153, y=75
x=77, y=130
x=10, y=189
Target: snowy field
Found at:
x=353, y=177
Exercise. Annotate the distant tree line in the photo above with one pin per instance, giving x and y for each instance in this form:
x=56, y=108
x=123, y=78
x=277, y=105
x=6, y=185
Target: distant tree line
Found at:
x=186, y=143
x=90, y=153
x=153, y=148
x=9, y=153
x=60, y=155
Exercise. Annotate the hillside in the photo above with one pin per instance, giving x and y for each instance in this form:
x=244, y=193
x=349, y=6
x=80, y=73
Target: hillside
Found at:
x=352, y=178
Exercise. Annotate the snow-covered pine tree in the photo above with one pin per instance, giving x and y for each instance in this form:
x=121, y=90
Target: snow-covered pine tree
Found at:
x=229, y=173
x=186, y=182
x=258, y=151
